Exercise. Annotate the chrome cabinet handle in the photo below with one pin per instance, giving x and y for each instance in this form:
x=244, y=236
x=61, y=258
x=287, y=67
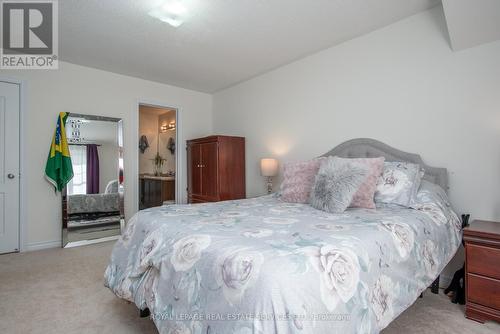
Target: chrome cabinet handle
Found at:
x=11, y=176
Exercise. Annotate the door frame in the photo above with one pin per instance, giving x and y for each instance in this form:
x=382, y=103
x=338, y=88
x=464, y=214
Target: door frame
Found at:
x=179, y=173
x=22, y=214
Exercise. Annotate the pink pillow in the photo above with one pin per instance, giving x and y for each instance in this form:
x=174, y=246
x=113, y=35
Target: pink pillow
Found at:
x=363, y=198
x=298, y=179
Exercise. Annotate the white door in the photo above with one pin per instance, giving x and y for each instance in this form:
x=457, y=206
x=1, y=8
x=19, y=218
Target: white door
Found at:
x=9, y=167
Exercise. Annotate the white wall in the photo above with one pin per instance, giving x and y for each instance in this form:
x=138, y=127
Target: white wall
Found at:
x=85, y=90
x=108, y=164
x=402, y=85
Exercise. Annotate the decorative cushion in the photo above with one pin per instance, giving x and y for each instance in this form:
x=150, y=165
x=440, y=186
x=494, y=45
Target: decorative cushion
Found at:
x=336, y=183
x=399, y=183
x=363, y=198
x=298, y=178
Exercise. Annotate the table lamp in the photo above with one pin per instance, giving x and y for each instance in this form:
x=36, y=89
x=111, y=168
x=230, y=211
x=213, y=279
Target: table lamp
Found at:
x=269, y=168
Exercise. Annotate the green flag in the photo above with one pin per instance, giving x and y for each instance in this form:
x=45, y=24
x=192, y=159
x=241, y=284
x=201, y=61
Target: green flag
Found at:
x=59, y=170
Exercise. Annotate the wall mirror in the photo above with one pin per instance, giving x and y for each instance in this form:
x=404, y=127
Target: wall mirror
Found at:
x=92, y=202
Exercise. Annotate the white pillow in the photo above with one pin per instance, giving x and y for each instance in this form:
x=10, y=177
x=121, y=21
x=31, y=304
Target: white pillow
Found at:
x=399, y=183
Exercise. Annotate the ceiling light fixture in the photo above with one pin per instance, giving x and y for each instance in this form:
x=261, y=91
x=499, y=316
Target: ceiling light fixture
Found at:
x=172, y=12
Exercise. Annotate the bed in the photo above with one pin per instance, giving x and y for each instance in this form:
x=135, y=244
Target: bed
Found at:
x=262, y=265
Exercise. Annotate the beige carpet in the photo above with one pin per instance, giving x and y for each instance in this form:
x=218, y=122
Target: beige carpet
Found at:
x=61, y=291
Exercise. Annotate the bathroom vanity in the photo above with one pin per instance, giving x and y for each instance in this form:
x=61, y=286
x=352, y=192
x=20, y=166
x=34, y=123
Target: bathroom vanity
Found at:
x=155, y=190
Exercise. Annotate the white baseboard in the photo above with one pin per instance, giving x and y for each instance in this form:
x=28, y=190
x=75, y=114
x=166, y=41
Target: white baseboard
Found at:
x=34, y=246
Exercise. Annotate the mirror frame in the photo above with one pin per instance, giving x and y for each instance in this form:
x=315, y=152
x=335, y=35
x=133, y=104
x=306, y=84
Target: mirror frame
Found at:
x=121, y=189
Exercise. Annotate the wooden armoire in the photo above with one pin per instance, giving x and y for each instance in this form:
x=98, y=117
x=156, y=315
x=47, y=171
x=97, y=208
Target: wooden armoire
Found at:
x=216, y=169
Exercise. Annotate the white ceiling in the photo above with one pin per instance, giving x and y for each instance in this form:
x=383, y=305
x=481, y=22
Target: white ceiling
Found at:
x=471, y=23
x=223, y=42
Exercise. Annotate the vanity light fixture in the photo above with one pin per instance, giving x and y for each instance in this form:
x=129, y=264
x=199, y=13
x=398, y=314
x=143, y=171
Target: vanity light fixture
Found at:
x=172, y=12
x=166, y=127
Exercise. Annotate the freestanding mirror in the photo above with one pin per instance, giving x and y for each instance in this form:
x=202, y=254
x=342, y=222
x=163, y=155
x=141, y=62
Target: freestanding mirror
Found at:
x=92, y=202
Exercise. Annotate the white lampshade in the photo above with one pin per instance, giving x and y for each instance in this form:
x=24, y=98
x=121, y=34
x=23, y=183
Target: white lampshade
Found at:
x=269, y=167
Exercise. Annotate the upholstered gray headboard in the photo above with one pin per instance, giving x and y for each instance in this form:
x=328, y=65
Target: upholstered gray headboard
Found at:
x=371, y=148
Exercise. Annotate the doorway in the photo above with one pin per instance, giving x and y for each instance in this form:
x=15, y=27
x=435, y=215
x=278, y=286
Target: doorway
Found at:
x=10, y=110
x=157, y=156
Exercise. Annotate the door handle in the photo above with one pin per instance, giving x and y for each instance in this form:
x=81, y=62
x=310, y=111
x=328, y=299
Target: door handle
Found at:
x=11, y=176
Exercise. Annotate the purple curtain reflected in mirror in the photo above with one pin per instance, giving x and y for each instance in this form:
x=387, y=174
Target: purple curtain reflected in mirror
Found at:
x=92, y=169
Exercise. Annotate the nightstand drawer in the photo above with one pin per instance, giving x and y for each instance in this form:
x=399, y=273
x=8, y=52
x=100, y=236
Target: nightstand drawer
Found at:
x=483, y=290
x=483, y=260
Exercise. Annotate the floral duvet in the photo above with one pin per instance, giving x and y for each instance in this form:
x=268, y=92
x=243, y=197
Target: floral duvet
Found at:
x=265, y=266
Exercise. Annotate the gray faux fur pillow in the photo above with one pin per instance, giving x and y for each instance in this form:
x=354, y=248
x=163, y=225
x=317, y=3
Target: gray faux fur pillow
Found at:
x=336, y=183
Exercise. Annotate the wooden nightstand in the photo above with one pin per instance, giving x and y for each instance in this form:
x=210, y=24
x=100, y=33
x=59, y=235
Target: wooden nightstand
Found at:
x=482, y=270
